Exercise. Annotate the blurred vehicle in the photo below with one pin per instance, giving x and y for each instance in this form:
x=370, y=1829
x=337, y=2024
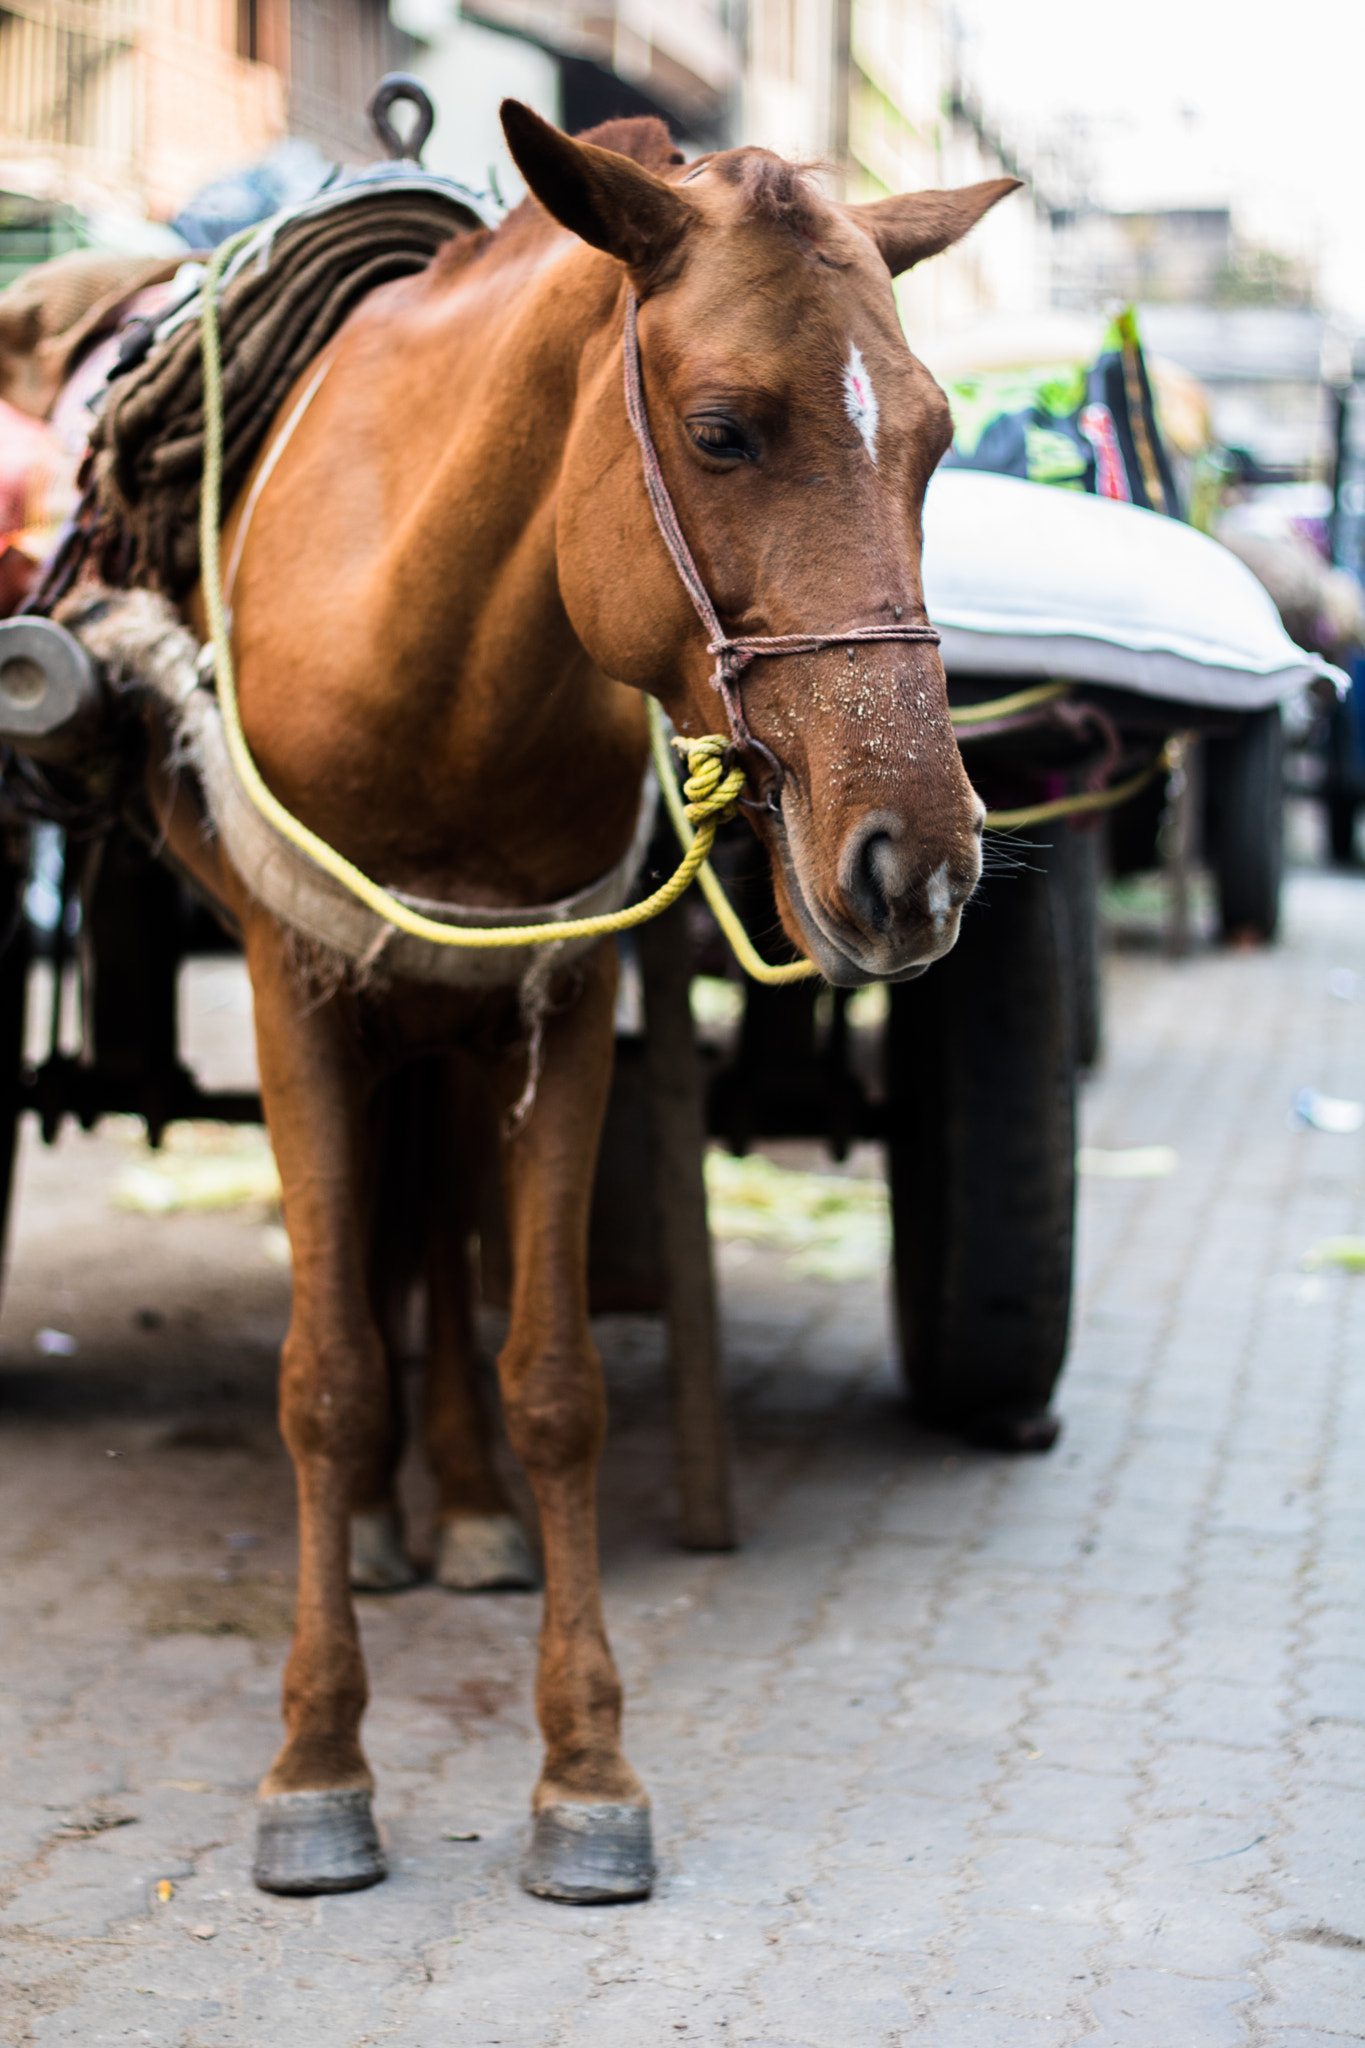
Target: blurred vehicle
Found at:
x=37, y=225
x=1343, y=784
x=1089, y=426
x=1074, y=402
x=1283, y=533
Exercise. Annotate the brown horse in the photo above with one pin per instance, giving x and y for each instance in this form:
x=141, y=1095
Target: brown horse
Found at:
x=451, y=595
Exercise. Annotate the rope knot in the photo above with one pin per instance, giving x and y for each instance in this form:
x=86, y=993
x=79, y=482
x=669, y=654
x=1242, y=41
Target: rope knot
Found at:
x=712, y=790
x=731, y=661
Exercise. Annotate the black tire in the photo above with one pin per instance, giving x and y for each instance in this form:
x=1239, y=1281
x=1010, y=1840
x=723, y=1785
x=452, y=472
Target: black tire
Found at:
x=981, y=1093
x=1081, y=865
x=1341, y=829
x=14, y=961
x=1133, y=831
x=1244, y=799
x=1343, y=789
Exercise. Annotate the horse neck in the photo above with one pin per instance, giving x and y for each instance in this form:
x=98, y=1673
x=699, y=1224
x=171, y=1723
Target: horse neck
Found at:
x=488, y=687
x=476, y=566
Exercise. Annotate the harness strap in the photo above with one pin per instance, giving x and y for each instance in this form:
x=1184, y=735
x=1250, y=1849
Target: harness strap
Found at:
x=733, y=654
x=264, y=474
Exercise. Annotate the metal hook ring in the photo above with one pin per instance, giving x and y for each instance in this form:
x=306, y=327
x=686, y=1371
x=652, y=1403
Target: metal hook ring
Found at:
x=771, y=798
x=393, y=87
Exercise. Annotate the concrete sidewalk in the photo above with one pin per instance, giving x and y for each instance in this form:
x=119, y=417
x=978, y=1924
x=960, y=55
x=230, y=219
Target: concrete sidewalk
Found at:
x=956, y=1750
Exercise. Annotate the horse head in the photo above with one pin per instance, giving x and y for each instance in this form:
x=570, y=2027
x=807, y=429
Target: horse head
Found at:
x=796, y=433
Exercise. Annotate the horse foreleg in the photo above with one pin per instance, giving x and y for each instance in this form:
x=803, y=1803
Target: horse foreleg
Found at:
x=315, y=1830
x=591, y=1838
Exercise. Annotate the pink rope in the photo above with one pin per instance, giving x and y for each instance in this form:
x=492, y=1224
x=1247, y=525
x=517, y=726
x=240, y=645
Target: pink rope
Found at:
x=733, y=655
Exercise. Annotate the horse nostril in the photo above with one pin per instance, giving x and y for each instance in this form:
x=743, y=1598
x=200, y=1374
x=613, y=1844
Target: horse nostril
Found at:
x=873, y=878
x=883, y=883
x=938, y=895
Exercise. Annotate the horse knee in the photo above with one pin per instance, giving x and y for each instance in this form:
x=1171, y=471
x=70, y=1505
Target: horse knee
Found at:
x=556, y=1412
x=333, y=1401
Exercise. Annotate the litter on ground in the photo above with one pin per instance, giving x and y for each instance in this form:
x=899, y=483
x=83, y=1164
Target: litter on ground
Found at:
x=834, y=1226
x=1333, y=1113
x=55, y=1343
x=1127, y=1162
x=216, y=1181
x=1347, y=1253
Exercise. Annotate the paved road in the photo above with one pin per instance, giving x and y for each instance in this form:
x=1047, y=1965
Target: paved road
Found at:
x=956, y=1750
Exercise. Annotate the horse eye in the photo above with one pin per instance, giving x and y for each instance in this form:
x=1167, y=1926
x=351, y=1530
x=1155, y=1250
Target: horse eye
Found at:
x=721, y=437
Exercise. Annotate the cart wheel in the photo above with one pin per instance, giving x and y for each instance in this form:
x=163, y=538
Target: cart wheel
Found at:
x=1081, y=867
x=1244, y=797
x=14, y=958
x=1341, y=828
x=981, y=1075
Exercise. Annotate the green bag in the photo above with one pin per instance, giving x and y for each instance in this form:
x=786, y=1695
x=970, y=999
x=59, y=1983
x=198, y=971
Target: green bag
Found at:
x=1078, y=428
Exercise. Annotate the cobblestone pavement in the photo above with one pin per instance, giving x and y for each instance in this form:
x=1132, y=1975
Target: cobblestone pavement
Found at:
x=955, y=1750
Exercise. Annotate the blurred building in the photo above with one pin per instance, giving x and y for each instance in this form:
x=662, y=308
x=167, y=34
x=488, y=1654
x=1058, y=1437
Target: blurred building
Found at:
x=863, y=90
x=1184, y=255
x=1263, y=370
x=683, y=58
x=1179, y=253
x=1000, y=271
x=1239, y=317
x=137, y=103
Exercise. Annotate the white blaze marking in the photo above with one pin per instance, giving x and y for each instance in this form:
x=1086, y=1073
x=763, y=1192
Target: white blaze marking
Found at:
x=860, y=400
x=940, y=896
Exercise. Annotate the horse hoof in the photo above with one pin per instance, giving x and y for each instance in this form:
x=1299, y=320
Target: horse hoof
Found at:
x=485, y=1554
x=1014, y=1429
x=310, y=1842
x=595, y=1855
x=379, y=1563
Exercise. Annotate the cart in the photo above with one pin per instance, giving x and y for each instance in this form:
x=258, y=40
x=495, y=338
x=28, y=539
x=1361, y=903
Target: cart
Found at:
x=1077, y=635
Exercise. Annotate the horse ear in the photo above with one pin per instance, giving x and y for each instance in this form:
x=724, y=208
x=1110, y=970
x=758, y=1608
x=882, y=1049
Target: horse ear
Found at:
x=919, y=224
x=609, y=200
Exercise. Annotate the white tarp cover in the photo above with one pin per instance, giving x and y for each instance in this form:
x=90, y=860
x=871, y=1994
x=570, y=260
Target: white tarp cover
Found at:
x=1024, y=580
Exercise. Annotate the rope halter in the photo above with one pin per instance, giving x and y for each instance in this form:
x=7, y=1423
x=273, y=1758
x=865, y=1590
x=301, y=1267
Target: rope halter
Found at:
x=732, y=654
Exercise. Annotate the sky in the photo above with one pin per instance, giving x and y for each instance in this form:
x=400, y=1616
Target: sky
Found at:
x=1255, y=103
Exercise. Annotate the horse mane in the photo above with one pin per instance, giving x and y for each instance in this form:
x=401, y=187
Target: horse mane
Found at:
x=461, y=250
x=774, y=190
x=643, y=138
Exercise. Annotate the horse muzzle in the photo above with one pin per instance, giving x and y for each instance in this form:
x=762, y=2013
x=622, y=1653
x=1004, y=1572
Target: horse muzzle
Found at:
x=894, y=909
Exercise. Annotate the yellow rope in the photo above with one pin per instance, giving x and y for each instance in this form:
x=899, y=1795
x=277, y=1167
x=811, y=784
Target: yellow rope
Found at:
x=1005, y=707
x=968, y=715
x=1074, y=806
x=724, y=912
x=711, y=790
